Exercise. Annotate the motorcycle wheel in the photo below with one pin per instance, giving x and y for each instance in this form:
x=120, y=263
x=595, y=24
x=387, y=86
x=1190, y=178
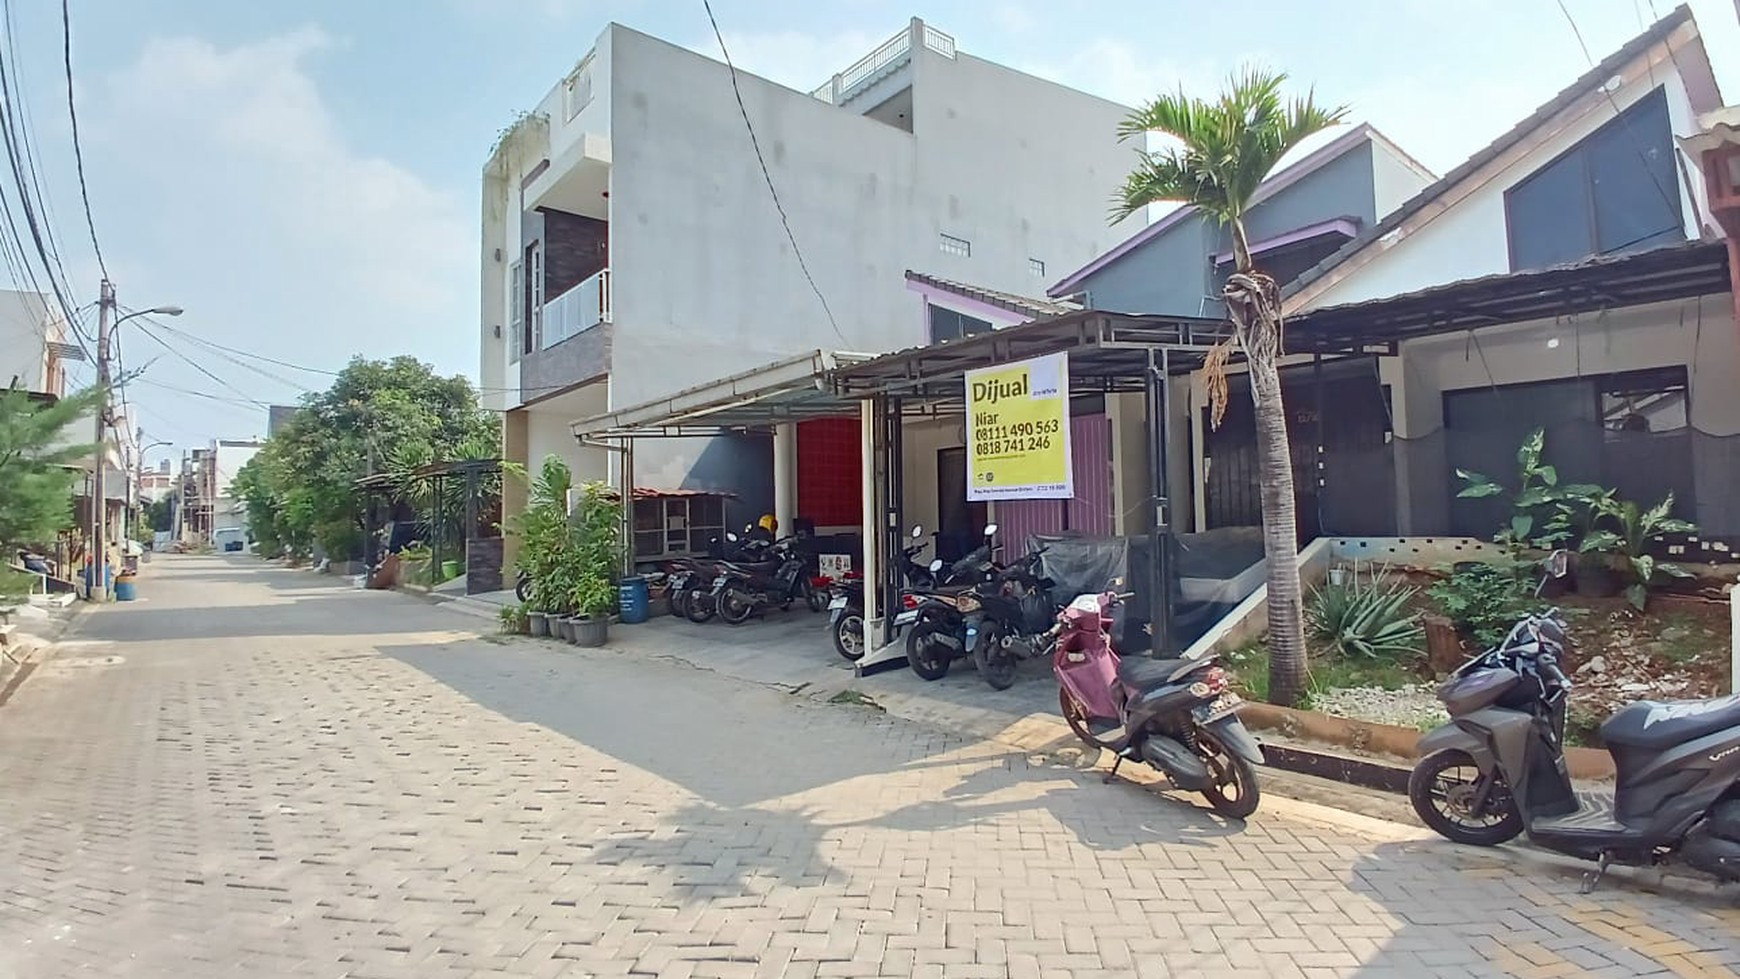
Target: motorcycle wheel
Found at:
x=1442, y=789
x=735, y=607
x=1234, y=792
x=677, y=602
x=849, y=636
x=1076, y=716
x=927, y=650
x=995, y=662
x=817, y=598
x=699, y=605
x=523, y=589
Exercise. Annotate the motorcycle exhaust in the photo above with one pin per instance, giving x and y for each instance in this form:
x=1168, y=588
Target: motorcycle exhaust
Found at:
x=1184, y=767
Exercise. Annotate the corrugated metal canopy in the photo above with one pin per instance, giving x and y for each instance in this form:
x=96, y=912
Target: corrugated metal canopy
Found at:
x=1663, y=274
x=1107, y=352
x=790, y=390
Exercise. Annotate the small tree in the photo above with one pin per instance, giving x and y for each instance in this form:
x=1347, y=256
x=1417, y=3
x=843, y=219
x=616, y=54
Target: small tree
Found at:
x=1224, y=149
x=37, y=466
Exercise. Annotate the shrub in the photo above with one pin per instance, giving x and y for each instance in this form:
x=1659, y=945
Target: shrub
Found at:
x=1485, y=600
x=1371, y=620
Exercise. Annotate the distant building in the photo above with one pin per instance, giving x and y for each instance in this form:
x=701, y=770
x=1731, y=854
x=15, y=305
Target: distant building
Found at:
x=277, y=416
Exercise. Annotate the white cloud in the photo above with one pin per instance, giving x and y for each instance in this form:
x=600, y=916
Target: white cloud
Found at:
x=251, y=121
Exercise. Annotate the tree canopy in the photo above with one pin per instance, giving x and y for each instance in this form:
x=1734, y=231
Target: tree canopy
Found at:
x=39, y=464
x=300, y=489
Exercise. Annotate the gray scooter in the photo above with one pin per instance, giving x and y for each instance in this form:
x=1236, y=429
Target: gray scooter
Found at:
x=1497, y=769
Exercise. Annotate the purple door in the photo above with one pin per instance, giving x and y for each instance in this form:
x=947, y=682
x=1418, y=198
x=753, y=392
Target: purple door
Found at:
x=1089, y=513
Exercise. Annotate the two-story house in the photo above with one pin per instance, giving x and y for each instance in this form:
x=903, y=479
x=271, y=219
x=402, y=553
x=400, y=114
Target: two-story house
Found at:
x=632, y=248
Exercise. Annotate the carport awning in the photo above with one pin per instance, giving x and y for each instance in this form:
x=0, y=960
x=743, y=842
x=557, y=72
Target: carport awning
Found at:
x=791, y=390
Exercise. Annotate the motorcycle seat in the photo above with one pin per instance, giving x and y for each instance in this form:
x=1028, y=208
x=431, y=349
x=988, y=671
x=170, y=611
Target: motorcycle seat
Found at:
x=1652, y=725
x=1145, y=673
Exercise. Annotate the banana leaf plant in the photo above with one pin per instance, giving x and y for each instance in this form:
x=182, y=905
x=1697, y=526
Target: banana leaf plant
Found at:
x=1628, y=537
x=1534, y=501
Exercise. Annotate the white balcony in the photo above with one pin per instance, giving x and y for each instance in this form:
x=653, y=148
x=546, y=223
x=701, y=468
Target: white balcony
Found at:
x=577, y=310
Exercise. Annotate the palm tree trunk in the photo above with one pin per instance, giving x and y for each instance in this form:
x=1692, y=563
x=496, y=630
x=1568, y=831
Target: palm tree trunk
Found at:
x=1253, y=304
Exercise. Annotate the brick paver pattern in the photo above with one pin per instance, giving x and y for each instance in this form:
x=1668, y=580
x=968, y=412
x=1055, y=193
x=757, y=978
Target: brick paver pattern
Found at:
x=258, y=774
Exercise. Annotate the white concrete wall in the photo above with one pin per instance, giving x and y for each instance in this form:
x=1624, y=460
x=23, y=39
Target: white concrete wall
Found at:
x=25, y=328
x=920, y=442
x=1469, y=239
x=547, y=434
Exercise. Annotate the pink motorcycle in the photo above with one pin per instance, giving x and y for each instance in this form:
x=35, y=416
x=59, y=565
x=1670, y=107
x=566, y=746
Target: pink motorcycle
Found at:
x=1176, y=715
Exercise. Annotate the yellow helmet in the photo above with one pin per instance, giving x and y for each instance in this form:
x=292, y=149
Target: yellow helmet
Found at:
x=768, y=523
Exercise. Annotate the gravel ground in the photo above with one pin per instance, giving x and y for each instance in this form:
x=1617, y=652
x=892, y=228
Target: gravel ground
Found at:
x=1407, y=707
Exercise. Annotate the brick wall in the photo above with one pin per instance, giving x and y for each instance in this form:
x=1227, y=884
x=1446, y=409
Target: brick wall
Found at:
x=575, y=249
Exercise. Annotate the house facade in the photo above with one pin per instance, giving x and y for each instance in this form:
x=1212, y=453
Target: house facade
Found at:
x=631, y=247
x=1632, y=378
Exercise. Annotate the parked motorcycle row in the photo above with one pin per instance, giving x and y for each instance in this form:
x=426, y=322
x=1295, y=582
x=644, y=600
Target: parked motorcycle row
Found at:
x=1175, y=715
x=749, y=576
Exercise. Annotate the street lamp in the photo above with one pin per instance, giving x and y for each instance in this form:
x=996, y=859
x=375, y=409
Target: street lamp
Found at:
x=99, y=501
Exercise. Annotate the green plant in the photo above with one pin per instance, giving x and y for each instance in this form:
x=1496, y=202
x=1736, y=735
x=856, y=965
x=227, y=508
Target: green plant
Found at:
x=594, y=549
x=1371, y=620
x=543, y=530
x=1533, y=504
x=513, y=618
x=1485, y=600
x=1627, y=542
x=40, y=459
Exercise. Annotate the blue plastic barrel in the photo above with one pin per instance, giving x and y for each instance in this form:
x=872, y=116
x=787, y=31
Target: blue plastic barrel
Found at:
x=631, y=594
x=124, y=590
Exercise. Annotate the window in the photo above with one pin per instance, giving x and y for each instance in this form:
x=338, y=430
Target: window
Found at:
x=534, y=298
x=956, y=246
x=1615, y=191
x=1644, y=403
x=516, y=310
x=949, y=324
x=1036, y=268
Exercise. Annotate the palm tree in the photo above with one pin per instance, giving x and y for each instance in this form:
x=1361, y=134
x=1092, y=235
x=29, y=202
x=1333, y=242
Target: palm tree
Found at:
x=1221, y=152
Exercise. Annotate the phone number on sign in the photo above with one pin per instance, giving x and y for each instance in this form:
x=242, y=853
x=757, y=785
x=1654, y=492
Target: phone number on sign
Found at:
x=1009, y=446
x=1028, y=429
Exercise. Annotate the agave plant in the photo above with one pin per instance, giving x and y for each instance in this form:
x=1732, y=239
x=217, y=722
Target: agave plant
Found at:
x=1370, y=620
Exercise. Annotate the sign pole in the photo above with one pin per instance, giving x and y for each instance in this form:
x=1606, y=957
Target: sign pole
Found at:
x=1160, y=529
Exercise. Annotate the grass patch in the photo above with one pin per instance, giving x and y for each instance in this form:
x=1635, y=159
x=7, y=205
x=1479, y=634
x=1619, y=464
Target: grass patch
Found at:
x=15, y=586
x=855, y=699
x=1249, y=666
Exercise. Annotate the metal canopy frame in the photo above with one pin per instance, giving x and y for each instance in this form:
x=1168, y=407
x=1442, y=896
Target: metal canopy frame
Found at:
x=790, y=390
x=1664, y=274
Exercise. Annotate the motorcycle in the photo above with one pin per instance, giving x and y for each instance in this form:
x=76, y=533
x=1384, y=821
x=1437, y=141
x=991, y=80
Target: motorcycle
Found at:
x=1497, y=770
x=937, y=615
x=1176, y=715
x=699, y=598
x=740, y=591
x=846, y=606
x=1010, y=621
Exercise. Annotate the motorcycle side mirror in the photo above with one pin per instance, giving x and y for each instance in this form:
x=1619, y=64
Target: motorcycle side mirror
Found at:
x=917, y=531
x=990, y=530
x=936, y=565
x=1116, y=582
x=1559, y=563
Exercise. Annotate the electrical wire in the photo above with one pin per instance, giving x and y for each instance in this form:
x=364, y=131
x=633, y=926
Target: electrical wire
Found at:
x=755, y=143
x=73, y=114
x=195, y=364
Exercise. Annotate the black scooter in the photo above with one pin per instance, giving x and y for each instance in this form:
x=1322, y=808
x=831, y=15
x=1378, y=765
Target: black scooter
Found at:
x=740, y=591
x=1498, y=768
x=846, y=605
x=1012, y=621
x=938, y=615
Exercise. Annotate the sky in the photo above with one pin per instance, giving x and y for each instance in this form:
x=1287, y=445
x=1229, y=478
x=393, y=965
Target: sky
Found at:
x=303, y=178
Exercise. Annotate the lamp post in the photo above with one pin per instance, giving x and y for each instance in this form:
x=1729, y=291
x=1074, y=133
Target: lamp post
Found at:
x=139, y=476
x=99, y=584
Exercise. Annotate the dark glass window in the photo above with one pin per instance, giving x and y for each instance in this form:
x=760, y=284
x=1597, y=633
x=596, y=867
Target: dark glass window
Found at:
x=949, y=324
x=1615, y=191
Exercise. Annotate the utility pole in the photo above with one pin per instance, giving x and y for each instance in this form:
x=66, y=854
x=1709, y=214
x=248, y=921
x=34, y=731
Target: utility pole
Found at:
x=99, y=586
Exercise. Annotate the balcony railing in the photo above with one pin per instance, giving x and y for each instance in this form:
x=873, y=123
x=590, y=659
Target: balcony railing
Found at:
x=890, y=55
x=577, y=310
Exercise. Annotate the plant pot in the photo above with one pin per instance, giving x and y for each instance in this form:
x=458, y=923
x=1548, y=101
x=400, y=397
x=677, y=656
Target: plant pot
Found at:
x=450, y=570
x=537, y=623
x=1597, y=579
x=589, y=631
x=559, y=628
x=1338, y=576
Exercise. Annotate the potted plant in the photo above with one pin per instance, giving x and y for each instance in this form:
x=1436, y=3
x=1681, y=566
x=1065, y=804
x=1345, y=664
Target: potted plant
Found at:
x=513, y=619
x=537, y=620
x=542, y=531
x=596, y=552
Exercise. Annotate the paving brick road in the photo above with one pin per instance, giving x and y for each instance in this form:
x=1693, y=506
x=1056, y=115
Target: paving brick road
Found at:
x=256, y=773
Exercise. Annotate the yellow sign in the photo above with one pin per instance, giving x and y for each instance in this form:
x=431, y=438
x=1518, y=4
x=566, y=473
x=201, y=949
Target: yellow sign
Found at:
x=1018, y=431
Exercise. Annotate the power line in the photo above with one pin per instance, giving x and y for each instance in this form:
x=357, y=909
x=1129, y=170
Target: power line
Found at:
x=73, y=114
x=195, y=365
x=766, y=175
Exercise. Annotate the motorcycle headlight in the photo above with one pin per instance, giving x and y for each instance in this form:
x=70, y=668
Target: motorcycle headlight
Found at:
x=967, y=603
